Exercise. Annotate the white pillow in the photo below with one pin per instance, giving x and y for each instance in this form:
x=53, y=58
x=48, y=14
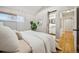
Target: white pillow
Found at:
x=8, y=39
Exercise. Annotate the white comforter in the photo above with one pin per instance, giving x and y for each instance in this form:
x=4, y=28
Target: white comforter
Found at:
x=39, y=42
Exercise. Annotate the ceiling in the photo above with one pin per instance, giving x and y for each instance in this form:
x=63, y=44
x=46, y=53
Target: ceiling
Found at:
x=28, y=9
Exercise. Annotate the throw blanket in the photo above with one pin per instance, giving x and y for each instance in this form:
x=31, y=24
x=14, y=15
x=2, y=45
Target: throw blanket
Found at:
x=40, y=42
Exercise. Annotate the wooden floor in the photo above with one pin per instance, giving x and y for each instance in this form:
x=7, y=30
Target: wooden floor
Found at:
x=66, y=42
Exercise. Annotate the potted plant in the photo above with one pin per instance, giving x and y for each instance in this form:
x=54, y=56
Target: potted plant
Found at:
x=34, y=25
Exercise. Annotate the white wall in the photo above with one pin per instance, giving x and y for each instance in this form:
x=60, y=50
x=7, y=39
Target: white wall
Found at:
x=43, y=18
x=19, y=26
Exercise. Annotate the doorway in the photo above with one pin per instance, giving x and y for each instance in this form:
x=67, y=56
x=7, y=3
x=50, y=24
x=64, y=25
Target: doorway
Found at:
x=67, y=34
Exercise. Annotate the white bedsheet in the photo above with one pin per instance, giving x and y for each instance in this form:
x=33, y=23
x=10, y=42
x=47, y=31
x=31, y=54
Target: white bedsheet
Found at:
x=40, y=42
x=36, y=44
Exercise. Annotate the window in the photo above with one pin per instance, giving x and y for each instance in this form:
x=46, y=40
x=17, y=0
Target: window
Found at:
x=10, y=17
x=20, y=19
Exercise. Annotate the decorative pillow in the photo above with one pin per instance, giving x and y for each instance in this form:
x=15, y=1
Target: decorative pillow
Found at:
x=8, y=39
x=19, y=35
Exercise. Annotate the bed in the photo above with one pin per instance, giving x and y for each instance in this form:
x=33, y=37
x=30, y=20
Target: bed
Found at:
x=37, y=42
x=26, y=41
